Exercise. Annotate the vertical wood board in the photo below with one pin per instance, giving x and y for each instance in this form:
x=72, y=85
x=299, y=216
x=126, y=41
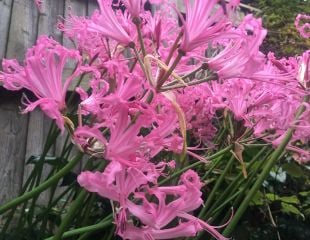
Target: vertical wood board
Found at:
x=5, y=16
x=13, y=135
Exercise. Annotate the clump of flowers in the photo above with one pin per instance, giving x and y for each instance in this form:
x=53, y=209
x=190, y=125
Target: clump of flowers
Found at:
x=151, y=82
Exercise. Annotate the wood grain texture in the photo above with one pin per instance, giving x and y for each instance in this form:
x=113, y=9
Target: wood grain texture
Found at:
x=13, y=135
x=50, y=13
x=23, y=28
x=5, y=13
x=22, y=34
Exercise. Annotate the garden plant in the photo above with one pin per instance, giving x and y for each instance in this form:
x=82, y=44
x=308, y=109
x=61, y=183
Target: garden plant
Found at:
x=179, y=120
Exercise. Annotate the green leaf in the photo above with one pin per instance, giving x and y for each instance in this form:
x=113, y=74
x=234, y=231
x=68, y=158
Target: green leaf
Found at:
x=307, y=212
x=290, y=199
x=293, y=169
x=290, y=209
x=305, y=194
x=257, y=199
x=286, y=199
x=272, y=197
x=54, y=161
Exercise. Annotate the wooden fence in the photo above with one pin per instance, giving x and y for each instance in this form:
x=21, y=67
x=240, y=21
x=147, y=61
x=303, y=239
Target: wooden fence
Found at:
x=22, y=136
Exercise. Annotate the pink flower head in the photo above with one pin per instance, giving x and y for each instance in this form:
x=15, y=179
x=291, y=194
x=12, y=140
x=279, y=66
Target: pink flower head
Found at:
x=42, y=75
x=303, y=29
x=157, y=215
x=107, y=24
x=241, y=56
x=115, y=183
x=201, y=24
x=124, y=141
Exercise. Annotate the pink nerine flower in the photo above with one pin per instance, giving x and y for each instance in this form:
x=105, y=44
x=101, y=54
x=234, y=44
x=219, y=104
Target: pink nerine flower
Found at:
x=201, y=24
x=241, y=56
x=42, y=75
x=156, y=216
x=116, y=182
x=107, y=24
x=304, y=29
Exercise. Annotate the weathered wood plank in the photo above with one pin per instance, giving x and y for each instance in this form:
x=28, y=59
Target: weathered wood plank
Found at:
x=5, y=13
x=13, y=135
x=23, y=28
x=50, y=12
x=22, y=35
x=35, y=139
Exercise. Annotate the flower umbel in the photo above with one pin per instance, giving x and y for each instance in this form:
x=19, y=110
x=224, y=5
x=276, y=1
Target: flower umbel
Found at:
x=42, y=74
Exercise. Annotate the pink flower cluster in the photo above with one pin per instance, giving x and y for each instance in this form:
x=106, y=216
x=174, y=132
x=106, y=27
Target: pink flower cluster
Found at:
x=150, y=81
x=42, y=74
x=303, y=27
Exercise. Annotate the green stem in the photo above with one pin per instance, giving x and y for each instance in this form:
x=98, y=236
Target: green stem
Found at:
x=138, y=25
x=92, y=228
x=269, y=165
x=166, y=88
x=178, y=173
x=202, y=66
x=219, y=137
x=210, y=170
x=212, y=214
x=176, y=61
x=74, y=208
x=139, y=60
x=243, y=191
x=170, y=55
x=54, y=203
x=111, y=234
x=87, y=211
x=69, y=216
x=173, y=48
x=215, y=188
x=236, y=182
x=43, y=186
x=226, y=202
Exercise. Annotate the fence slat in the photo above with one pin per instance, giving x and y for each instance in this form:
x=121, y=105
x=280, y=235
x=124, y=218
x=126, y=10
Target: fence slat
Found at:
x=22, y=34
x=50, y=12
x=13, y=134
x=23, y=29
x=5, y=12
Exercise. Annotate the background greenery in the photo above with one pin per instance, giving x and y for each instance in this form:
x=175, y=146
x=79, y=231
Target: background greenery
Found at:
x=281, y=210
x=278, y=17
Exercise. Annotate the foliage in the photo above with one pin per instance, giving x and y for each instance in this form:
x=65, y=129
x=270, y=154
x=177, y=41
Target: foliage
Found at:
x=170, y=135
x=278, y=18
